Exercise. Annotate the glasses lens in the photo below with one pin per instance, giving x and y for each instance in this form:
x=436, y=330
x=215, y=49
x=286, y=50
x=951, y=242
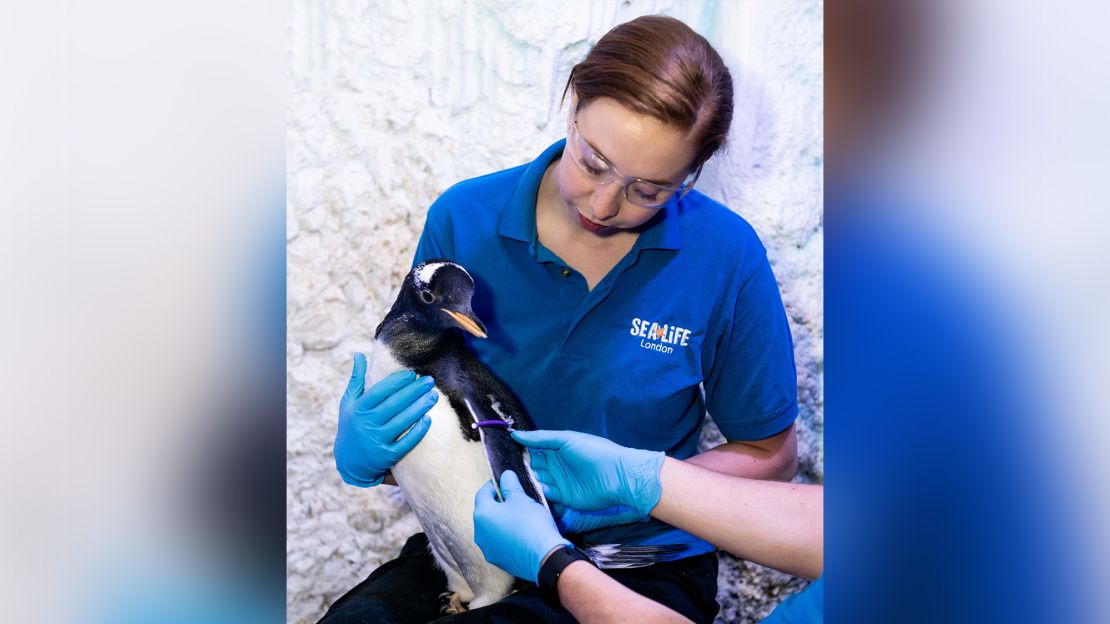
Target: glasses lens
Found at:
x=590, y=162
x=647, y=194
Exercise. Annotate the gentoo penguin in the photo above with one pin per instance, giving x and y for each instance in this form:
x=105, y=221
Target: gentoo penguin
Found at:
x=440, y=476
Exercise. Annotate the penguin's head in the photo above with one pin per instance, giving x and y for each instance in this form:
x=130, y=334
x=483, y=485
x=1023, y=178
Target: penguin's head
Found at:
x=434, y=298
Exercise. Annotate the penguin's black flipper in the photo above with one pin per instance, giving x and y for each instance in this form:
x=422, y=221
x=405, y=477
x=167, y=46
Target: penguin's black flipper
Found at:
x=502, y=451
x=611, y=556
x=505, y=453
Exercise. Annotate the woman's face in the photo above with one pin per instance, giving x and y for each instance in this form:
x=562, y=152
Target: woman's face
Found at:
x=637, y=146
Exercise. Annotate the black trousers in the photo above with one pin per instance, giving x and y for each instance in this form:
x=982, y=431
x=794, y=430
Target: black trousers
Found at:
x=406, y=591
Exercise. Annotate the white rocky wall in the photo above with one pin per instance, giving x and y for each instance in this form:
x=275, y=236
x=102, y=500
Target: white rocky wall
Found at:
x=392, y=102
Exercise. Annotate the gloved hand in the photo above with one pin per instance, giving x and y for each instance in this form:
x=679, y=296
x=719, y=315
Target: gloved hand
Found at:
x=370, y=423
x=515, y=535
x=585, y=472
x=575, y=521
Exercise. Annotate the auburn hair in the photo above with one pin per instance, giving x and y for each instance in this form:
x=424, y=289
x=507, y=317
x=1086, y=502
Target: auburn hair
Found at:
x=658, y=66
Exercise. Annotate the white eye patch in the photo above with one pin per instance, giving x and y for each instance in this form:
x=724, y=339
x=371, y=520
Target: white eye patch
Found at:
x=424, y=273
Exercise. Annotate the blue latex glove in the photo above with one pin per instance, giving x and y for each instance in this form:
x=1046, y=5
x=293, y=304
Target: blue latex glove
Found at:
x=371, y=421
x=575, y=521
x=516, y=535
x=588, y=473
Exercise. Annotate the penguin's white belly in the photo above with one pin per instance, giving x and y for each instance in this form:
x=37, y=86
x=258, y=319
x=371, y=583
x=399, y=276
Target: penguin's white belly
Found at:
x=440, y=478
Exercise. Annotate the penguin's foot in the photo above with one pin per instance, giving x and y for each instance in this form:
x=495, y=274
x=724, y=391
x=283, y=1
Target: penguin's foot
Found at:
x=453, y=604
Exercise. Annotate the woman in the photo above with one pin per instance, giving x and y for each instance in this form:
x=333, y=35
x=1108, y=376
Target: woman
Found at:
x=623, y=304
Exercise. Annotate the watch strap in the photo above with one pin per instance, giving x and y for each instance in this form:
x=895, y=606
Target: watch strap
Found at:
x=553, y=568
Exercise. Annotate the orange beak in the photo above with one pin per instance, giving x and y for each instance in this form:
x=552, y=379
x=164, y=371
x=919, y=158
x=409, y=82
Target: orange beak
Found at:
x=468, y=323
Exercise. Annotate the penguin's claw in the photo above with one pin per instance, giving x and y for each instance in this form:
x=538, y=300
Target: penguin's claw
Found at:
x=454, y=604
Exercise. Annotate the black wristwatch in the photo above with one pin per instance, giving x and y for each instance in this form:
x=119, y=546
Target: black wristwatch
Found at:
x=553, y=568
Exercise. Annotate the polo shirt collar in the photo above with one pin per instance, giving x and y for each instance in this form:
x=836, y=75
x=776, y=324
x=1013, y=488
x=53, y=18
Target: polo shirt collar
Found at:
x=664, y=230
x=518, y=216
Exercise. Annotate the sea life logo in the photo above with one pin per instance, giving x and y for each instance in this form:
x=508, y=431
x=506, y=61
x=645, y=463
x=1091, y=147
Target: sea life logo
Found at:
x=661, y=337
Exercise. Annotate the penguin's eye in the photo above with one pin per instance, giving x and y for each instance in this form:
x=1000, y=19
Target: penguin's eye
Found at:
x=427, y=296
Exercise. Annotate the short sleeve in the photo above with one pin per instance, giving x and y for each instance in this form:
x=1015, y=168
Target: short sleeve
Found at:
x=751, y=390
x=436, y=239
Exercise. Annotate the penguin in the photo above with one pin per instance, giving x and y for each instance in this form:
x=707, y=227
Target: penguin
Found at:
x=441, y=474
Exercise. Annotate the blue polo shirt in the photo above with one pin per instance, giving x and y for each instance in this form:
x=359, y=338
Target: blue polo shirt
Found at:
x=693, y=305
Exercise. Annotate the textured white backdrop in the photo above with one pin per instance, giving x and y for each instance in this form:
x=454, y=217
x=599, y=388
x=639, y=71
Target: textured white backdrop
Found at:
x=392, y=102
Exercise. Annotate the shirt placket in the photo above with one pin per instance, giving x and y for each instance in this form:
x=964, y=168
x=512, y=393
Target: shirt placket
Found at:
x=604, y=289
x=568, y=284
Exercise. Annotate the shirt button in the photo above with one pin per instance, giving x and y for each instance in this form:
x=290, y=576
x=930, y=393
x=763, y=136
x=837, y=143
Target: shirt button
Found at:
x=566, y=272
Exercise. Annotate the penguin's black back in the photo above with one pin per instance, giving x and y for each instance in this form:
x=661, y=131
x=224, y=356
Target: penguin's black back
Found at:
x=464, y=379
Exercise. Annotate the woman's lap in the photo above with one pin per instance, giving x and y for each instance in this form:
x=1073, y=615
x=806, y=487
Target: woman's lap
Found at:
x=406, y=590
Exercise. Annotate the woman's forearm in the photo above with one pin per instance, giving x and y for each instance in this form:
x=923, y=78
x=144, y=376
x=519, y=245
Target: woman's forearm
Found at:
x=594, y=597
x=773, y=458
x=779, y=525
